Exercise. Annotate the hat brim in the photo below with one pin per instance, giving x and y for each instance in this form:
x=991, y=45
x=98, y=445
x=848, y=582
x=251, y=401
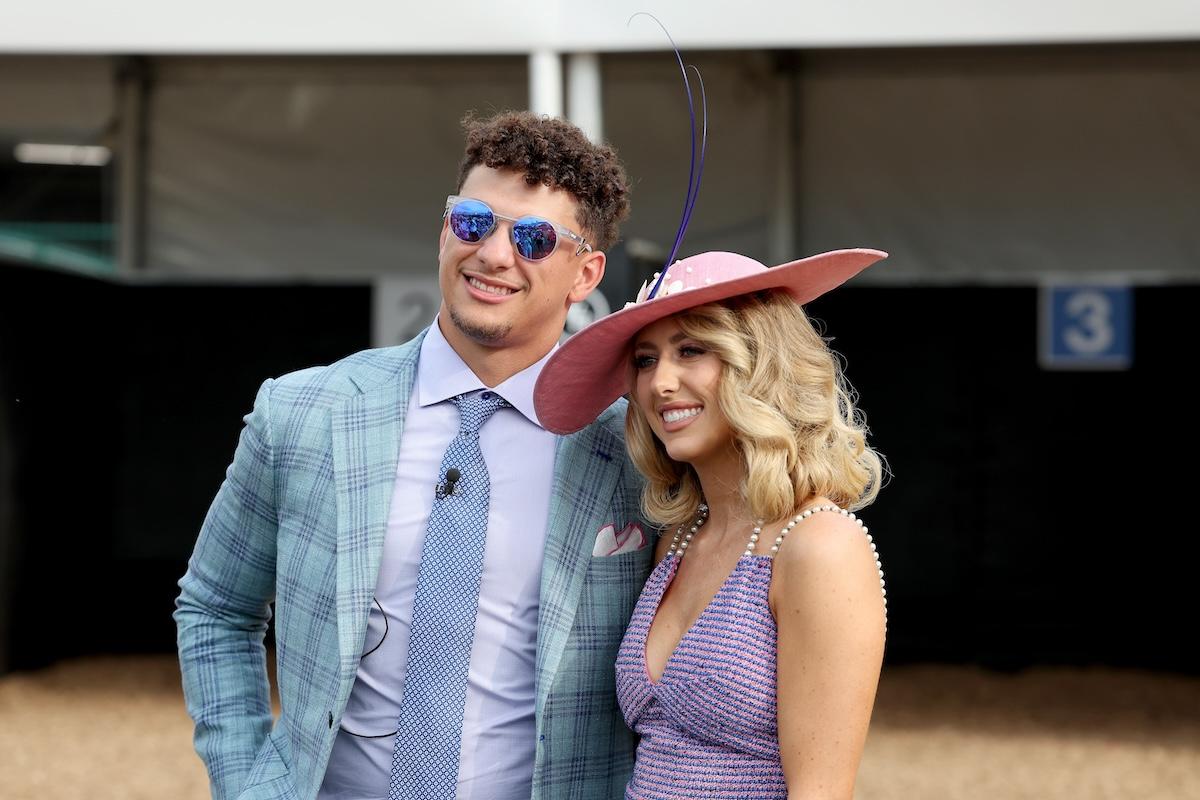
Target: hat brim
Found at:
x=588, y=371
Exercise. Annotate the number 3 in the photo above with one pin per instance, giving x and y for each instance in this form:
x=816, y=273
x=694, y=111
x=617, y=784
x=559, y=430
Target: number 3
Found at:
x=1091, y=330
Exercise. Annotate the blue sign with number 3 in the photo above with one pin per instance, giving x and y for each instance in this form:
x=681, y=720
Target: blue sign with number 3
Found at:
x=1086, y=327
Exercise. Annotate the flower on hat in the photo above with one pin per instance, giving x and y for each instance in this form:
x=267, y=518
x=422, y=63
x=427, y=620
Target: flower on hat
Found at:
x=672, y=287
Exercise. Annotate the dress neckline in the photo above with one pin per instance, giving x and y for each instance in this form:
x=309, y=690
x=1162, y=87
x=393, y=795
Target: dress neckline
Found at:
x=672, y=562
x=675, y=555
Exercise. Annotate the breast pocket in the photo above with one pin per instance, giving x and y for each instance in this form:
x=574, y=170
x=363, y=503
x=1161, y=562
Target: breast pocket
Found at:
x=611, y=589
x=626, y=569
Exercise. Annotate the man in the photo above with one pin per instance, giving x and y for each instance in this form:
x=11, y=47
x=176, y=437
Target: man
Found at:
x=451, y=581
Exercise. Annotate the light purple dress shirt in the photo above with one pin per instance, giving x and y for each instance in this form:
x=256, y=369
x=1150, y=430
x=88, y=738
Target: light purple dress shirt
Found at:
x=498, y=746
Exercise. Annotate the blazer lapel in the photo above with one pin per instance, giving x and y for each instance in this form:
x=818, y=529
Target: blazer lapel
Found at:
x=587, y=466
x=366, y=448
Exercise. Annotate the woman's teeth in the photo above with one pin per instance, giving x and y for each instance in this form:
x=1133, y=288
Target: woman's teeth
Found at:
x=676, y=414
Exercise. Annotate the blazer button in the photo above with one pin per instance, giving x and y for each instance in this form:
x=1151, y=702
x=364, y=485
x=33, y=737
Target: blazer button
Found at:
x=331, y=720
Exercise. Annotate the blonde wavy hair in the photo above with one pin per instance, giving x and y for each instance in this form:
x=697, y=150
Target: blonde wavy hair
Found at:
x=791, y=410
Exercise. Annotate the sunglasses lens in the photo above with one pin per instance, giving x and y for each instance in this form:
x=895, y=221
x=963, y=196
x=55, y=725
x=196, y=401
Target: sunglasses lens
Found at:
x=535, y=238
x=471, y=220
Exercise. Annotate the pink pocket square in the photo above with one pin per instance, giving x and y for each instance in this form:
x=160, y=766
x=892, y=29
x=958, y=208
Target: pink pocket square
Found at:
x=610, y=542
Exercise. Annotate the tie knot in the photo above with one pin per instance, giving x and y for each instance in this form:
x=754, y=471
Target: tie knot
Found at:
x=474, y=410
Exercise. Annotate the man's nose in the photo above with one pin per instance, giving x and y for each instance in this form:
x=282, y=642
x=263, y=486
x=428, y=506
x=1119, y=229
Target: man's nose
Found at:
x=497, y=249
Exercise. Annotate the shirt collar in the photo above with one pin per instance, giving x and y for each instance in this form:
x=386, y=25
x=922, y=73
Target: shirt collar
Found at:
x=442, y=374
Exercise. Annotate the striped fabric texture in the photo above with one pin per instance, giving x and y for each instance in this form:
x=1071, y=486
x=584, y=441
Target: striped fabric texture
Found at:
x=708, y=727
x=299, y=522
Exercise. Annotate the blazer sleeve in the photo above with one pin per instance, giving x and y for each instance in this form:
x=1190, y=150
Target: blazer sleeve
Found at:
x=224, y=607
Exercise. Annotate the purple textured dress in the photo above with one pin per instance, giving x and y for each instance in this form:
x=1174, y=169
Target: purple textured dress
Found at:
x=708, y=727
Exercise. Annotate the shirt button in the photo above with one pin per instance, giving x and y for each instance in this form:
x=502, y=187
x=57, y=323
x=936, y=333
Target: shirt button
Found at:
x=488, y=395
x=331, y=720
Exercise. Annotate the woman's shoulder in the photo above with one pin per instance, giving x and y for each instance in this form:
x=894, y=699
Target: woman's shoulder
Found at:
x=821, y=528
x=823, y=542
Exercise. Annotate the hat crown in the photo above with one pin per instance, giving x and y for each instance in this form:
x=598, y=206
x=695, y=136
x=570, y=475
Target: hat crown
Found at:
x=698, y=271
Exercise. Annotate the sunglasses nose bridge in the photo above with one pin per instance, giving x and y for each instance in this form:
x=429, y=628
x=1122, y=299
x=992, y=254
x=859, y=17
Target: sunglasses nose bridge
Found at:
x=502, y=225
x=498, y=246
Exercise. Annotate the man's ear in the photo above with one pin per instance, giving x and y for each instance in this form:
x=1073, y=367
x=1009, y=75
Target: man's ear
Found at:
x=591, y=272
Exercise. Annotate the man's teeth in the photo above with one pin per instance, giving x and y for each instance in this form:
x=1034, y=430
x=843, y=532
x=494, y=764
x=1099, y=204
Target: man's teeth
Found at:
x=676, y=414
x=483, y=287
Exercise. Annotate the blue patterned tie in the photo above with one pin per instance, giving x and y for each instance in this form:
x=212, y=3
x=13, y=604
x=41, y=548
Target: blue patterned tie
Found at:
x=429, y=732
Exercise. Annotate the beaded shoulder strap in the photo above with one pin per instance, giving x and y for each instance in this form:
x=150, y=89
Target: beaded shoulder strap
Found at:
x=803, y=515
x=796, y=520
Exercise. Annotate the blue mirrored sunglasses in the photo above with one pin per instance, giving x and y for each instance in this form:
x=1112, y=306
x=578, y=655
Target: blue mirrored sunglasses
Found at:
x=535, y=238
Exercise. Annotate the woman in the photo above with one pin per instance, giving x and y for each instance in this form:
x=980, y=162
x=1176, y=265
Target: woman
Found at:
x=750, y=664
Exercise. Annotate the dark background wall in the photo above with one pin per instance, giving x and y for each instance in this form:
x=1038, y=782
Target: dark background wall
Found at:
x=123, y=406
x=1033, y=517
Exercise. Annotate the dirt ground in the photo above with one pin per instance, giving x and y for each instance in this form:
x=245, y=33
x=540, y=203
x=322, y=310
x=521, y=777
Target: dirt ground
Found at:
x=116, y=728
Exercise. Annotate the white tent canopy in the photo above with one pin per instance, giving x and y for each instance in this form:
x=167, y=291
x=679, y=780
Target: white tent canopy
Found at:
x=994, y=166
x=491, y=27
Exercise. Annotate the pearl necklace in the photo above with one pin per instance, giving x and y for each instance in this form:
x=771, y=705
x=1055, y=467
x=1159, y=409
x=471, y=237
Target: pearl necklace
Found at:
x=681, y=541
x=678, y=546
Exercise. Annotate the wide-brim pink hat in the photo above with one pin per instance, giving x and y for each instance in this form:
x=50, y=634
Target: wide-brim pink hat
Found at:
x=589, y=371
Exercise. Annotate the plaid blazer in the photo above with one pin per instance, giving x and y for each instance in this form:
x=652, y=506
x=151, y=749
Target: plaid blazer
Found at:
x=300, y=521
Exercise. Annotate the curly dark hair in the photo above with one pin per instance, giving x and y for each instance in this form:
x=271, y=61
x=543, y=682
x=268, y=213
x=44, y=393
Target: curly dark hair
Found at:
x=555, y=153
